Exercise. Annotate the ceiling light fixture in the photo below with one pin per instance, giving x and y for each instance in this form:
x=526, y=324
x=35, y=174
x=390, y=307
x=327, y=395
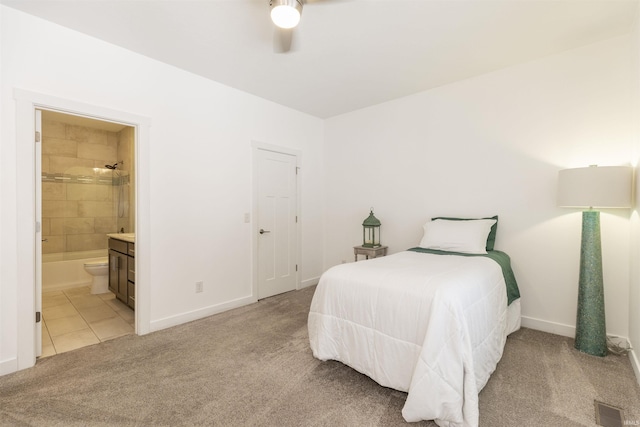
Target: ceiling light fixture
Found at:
x=286, y=13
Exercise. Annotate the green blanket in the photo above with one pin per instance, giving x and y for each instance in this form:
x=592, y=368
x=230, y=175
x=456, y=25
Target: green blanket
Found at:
x=503, y=260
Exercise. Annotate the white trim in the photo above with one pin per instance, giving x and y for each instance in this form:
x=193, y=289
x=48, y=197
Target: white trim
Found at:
x=635, y=364
x=8, y=366
x=309, y=282
x=256, y=145
x=200, y=313
x=561, y=329
x=25, y=233
x=566, y=330
x=276, y=149
x=550, y=327
x=38, y=234
x=27, y=103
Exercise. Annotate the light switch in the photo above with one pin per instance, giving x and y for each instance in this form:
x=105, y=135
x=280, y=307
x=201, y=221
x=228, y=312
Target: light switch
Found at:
x=247, y=217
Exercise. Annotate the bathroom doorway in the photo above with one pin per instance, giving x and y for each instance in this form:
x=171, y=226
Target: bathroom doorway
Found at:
x=86, y=192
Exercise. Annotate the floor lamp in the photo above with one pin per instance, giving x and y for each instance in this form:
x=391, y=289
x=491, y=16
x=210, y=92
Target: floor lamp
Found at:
x=593, y=187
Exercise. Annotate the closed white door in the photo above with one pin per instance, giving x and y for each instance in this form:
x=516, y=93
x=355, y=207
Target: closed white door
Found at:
x=276, y=222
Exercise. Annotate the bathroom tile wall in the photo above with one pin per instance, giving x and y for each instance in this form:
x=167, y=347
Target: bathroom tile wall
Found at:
x=78, y=195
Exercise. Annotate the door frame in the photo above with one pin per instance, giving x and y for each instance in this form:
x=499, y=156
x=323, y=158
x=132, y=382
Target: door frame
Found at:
x=27, y=103
x=38, y=237
x=255, y=146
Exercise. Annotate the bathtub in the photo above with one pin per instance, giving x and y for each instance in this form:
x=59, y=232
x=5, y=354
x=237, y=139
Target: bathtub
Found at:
x=66, y=269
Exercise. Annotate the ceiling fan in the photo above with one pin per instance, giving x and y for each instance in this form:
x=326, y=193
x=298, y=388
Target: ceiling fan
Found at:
x=286, y=15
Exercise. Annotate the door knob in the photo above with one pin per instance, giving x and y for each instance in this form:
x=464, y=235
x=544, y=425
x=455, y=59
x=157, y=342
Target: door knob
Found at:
x=264, y=231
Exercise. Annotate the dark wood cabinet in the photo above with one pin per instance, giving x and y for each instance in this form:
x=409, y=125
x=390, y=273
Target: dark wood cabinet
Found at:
x=122, y=270
x=118, y=274
x=131, y=277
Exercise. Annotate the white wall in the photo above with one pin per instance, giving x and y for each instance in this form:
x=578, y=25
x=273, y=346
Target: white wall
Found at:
x=199, y=161
x=5, y=311
x=493, y=145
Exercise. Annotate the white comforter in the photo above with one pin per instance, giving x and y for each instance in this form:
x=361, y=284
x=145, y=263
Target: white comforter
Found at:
x=430, y=325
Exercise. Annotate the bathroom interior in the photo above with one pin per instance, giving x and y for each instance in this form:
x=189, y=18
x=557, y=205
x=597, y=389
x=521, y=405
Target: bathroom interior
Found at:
x=88, y=231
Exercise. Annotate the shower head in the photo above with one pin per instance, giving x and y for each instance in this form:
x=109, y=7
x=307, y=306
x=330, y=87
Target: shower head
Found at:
x=115, y=165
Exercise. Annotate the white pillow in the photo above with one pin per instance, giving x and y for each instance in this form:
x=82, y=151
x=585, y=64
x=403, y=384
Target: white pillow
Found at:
x=457, y=236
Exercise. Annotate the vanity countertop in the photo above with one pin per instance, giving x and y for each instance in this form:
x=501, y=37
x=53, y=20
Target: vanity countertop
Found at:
x=127, y=237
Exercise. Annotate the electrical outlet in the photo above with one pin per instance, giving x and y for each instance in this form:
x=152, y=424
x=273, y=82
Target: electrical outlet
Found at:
x=344, y=261
x=199, y=287
x=247, y=218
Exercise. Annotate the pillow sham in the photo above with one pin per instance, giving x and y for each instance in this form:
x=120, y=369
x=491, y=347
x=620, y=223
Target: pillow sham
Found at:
x=491, y=239
x=457, y=236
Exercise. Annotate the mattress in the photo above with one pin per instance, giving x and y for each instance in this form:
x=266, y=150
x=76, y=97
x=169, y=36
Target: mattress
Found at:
x=431, y=325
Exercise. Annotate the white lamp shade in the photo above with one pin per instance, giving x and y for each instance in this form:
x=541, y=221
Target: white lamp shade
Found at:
x=595, y=187
x=286, y=13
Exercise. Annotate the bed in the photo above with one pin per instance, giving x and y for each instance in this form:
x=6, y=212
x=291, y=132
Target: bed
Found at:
x=429, y=321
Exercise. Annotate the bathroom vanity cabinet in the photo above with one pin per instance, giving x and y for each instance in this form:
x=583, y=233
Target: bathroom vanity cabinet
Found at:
x=122, y=270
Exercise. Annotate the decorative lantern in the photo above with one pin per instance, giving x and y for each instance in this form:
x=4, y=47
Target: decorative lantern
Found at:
x=371, y=231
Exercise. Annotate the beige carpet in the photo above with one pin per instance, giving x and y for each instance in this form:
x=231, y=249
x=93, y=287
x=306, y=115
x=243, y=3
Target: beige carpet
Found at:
x=253, y=367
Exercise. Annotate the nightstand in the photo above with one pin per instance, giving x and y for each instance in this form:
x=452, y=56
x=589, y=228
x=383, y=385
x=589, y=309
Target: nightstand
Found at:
x=369, y=252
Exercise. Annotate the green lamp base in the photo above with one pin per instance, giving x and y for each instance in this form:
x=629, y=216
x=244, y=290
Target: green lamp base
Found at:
x=591, y=331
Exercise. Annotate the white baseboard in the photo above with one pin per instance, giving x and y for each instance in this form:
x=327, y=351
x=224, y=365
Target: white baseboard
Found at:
x=635, y=363
x=550, y=327
x=201, y=313
x=566, y=330
x=309, y=282
x=570, y=331
x=8, y=366
x=179, y=319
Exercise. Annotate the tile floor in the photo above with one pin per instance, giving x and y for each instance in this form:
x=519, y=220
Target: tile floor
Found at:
x=74, y=318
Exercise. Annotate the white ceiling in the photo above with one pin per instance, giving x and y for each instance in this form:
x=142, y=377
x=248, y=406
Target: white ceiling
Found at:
x=347, y=54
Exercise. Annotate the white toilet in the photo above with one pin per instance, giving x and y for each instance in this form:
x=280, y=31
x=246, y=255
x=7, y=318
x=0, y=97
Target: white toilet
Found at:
x=99, y=269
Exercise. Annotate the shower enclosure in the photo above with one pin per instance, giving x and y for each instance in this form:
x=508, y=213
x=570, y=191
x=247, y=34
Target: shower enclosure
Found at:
x=87, y=192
